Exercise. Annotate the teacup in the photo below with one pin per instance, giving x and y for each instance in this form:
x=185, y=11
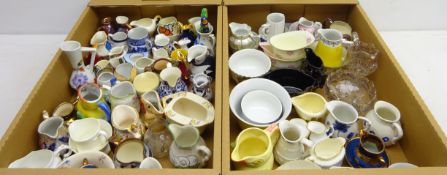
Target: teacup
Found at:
x=53, y=133
x=41, y=159
x=146, y=82
x=150, y=163
x=124, y=93
x=130, y=153
x=93, y=159
x=142, y=64
x=125, y=72
x=275, y=25
x=89, y=134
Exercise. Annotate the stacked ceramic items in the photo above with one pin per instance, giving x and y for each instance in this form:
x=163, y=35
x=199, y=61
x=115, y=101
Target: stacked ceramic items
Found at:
x=299, y=58
x=143, y=98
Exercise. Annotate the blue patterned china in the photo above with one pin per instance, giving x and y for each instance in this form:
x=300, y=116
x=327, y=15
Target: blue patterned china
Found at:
x=367, y=151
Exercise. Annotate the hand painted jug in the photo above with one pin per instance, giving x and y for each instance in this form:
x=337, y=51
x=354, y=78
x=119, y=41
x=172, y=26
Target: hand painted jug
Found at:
x=242, y=37
x=171, y=82
x=293, y=143
x=188, y=149
x=202, y=86
x=147, y=23
x=81, y=74
x=385, y=122
x=309, y=26
x=254, y=148
x=52, y=133
x=153, y=108
x=91, y=103
x=330, y=47
x=126, y=124
x=343, y=117
x=205, y=32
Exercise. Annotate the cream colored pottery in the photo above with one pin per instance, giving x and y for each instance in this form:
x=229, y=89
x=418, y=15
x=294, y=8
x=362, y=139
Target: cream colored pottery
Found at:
x=147, y=23
x=146, y=82
x=385, y=122
x=40, y=159
x=89, y=134
x=298, y=164
x=310, y=106
x=290, y=45
x=153, y=107
x=142, y=64
x=254, y=148
x=125, y=120
x=319, y=131
x=99, y=40
x=293, y=143
x=186, y=108
x=328, y=153
x=124, y=93
x=402, y=165
x=150, y=163
x=171, y=75
x=94, y=158
x=188, y=149
x=125, y=72
x=343, y=27
x=130, y=153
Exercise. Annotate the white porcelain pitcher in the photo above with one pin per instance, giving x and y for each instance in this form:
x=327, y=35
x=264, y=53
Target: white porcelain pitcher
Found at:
x=385, y=119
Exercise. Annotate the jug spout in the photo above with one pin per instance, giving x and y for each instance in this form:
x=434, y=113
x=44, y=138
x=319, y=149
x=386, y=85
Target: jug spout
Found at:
x=184, y=136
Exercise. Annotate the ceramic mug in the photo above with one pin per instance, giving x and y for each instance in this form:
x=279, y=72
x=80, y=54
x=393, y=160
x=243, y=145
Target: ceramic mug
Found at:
x=53, y=133
x=343, y=117
x=385, y=119
x=125, y=72
x=293, y=143
x=130, y=153
x=124, y=93
x=275, y=25
x=138, y=40
x=41, y=159
x=254, y=148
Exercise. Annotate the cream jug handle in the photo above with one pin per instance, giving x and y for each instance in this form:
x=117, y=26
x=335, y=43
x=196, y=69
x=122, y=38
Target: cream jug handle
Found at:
x=60, y=150
x=399, y=132
x=264, y=30
x=307, y=142
x=93, y=54
x=204, y=152
x=366, y=124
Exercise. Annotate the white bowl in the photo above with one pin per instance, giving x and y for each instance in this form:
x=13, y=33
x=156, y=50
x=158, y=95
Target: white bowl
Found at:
x=290, y=45
x=249, y=63
x=261, y=106
x=258, y=84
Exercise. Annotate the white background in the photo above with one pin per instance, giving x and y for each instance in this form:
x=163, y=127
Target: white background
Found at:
x=31, y=30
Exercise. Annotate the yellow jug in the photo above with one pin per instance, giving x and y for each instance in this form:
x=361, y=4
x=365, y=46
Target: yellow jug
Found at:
x=330, y=47
x=254, y=148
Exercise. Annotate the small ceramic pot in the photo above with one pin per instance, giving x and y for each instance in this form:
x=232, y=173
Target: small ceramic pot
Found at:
x=319, y=131
x=138, y=40
x=201, y=86
x=171, y=82
x=385, y=122
x=130, y=153
x=93, y=159
x=310, y=106
x=170, y=27
x=91, y=103
x=153, y=108
x=142, y=64
x=328, y=153
x=118, y=39
x=242, y=37
x=52, y=133
x=293, y=143
x=148, y=23
x=124, y=93
x=274, y=26
x=116, y=55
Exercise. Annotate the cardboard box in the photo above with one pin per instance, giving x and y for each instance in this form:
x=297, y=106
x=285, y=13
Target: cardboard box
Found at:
x=423, y=144
x=53, y=87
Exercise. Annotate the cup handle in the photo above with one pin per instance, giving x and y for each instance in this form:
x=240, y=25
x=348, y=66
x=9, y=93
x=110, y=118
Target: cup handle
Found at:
x=264, y=30
x=205, y=152
x=330, y=131
x=213, y=38
x=93, y=54
x=58, y=152
x=307, y=142
x=368, y=123
x=104, y=107
x=399, y=132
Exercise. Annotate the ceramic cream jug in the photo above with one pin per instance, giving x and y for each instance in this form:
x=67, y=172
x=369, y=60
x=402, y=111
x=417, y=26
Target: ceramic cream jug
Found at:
x=126, y=124
x=81, y=74
x=309, y=26
x=310, y=106
x=330, y=47
x=202, y=86
x=343, y=117
x=41, y=159
x=99, y=40
x=188, y=149
x=118, y=39
x=148, y=23
x=124, y=93
x=242, y=37
x=254, y=148
x=293, y=143
x=91, y=103
x=52, y=133
x=328, y=153
x=319, y=131
x=385, y=122
x=130, y=153
x=206, y=38
x=153, y=108
x=171, y=81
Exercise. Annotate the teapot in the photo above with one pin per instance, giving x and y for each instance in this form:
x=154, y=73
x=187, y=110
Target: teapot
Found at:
x=242, y=37
x=188, y=150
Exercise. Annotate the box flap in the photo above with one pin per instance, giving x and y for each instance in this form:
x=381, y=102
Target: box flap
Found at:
x=247, y=2
x=98, y=3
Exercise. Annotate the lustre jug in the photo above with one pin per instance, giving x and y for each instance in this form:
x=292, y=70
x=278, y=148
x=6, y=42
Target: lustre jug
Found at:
x=242, y=37
x=188, y=150
x=91, y=103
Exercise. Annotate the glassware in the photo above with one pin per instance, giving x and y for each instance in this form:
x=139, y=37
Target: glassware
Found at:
x=158, y=138
x=351, y=88
x=362, y=59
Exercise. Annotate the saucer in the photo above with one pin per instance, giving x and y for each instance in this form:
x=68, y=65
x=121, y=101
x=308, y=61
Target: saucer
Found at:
x=356, y=162
x=268, y=50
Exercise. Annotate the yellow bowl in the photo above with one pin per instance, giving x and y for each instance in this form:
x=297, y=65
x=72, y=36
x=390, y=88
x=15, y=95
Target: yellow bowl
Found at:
x=146, y=82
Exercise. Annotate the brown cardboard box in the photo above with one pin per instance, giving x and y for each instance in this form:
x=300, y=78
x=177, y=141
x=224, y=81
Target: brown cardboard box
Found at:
x=423, y=144
x=53, y=87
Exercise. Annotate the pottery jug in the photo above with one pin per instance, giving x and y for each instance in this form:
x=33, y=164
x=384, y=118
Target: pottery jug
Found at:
x=385, y=122
x=41, y=159
x=310, y=106
x=206, y=38
x=197, y=53
x=158, y=138
x=202, y=86
x=147, y=23
x=153, y=108
x=116, y=55
x=126, y=124
x=52, y=133
x=118, y=39
x=319, y=131
x=130, y=153
x=254, y=148
x=343, y=117
x=91, y=103
x=99, y=40
x=138, y=41
x=200, y=61
x=182, y=44
x=309, y=26
x=328, y=153
x=293, y=143
x=188, y=149
x=171, y=82
x=124, y=93
x=81, y=74
x=242, y=37
x=330, y=47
